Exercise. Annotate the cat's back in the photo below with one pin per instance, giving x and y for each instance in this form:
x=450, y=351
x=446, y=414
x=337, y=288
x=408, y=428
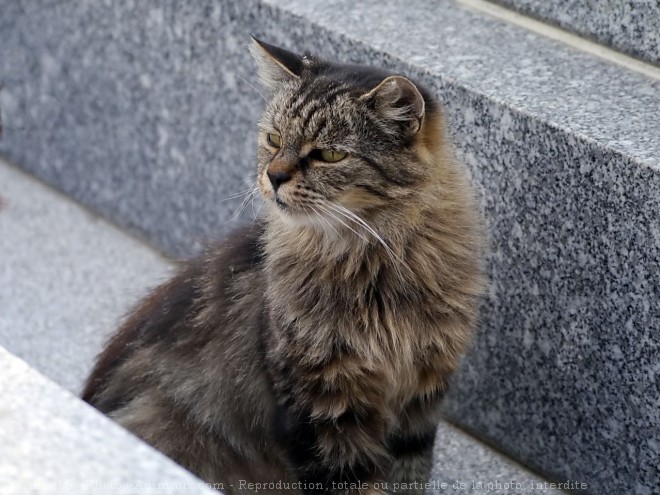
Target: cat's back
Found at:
x=198, y=310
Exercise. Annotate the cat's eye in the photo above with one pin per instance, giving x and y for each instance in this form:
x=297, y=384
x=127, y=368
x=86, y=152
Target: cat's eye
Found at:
x=331, y=156
x=274, y=140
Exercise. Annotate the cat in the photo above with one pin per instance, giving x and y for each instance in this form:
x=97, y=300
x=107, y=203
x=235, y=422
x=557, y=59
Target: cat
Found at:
x=310, y=350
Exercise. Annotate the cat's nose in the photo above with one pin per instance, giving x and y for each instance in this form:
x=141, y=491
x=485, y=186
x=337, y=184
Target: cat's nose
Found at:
x=278, y=178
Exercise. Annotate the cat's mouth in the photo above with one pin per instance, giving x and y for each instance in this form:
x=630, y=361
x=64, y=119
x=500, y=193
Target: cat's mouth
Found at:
x=290, y=208
x=285, y=206
x=293, y=212
x=279, y=202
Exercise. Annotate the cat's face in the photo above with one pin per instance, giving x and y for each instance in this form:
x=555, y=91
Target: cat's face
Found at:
x=335, y=140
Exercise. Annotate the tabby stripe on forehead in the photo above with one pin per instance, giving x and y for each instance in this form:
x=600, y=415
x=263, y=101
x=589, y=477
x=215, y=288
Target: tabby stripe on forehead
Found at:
x=314, y=102
x=328, y=99
x=320, y=128
x=302, y=100
x=399, y=181
x=307, y=112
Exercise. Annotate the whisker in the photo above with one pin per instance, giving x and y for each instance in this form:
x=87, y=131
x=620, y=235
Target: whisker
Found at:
x=238, y=194
x=390, y=252
x=325, y=220
x=259, y=208
x=325, y=210
x=352, y=216
x=255, y=197
x=249, y=84
x=249, y=195
x=355, y=217
x=316, y=214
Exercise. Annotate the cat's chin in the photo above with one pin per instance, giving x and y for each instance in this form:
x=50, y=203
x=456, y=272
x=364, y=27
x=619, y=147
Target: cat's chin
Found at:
x=294, y=216
x=301, y=217
x=314, y=228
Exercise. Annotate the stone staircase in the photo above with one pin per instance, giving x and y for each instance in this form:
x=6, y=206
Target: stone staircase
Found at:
x=145, y=113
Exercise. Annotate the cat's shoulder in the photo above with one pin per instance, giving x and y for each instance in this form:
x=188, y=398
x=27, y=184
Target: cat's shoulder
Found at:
x=242, y=249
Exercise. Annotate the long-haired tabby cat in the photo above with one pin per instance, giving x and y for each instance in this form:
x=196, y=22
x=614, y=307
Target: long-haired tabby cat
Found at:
x=311, y=349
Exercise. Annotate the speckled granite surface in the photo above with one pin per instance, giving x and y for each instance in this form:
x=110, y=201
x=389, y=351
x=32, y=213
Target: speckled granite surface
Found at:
x=141, y=112
x=54, y=444
x=66, y=278
x=463, y=465
x=630, y=26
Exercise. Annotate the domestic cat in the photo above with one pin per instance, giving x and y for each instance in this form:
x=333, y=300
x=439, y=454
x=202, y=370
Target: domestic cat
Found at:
x=311, y=349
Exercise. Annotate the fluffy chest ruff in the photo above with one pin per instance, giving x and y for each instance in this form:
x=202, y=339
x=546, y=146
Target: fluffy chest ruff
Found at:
x=355, y=325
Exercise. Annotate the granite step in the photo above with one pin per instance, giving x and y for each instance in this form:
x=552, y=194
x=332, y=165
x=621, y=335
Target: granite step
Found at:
x=146, y=113
x=53, y=443
x=630, y=27
x=67, y=278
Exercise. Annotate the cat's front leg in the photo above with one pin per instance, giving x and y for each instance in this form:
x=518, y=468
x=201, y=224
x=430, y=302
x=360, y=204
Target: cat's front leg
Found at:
x=413, y=460
x=343, y=455
x=411, y=445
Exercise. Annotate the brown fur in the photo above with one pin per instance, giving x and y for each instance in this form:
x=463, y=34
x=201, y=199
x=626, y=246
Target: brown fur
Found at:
x=315, y=345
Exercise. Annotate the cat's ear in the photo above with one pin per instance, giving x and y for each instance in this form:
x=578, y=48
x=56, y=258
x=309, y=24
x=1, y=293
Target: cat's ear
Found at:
x=275, y=64
x=397, y=98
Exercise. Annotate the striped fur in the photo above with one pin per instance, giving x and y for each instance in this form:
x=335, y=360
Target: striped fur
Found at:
x=313, y=347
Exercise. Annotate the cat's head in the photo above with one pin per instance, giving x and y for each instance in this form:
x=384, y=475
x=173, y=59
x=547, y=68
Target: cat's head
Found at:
x=341, y=139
